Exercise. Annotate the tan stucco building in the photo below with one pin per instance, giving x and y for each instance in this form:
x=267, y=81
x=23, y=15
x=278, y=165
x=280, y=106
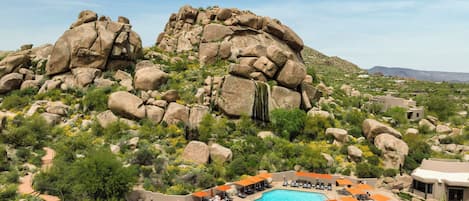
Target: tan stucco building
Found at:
x=389, y=101
x=442, y=180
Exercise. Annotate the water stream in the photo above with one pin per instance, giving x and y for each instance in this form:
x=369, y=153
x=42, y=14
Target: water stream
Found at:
x=261, y=102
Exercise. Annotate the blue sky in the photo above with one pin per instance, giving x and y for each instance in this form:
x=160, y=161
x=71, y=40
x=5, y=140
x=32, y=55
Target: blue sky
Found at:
x=425, y=34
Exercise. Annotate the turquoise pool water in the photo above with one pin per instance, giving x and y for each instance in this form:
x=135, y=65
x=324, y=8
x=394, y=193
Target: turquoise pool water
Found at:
x=288, y=195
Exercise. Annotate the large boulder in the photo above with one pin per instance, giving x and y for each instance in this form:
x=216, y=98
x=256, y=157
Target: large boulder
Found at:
x=13, y=61
x=126, y=104
x=197, y=152
x=354, y=153
x=90, y=43
x=237, y=96
x=106, y=118
x=196, y=115
x=215, y=32
x=176, y=113
x=371, y=128
x=154, y=113
x=291, y=74
x=425, y=123
x=339, y=134
x=285, y=98
x=220, y=153
x=443, y=129
x=394, y=150
x=149, y=78
x=10, y=82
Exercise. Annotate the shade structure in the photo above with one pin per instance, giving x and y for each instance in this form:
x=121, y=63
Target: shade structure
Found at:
x=344, y=182
x=355, y=191
x=223, y=188
x=348, y=198
x=313, y=175
x=379, y=197
x=200, y=194
x=364, y=187
x=244, y=182
x=256, y=179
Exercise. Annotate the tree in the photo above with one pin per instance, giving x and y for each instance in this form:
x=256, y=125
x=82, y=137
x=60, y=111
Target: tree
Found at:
x=288, y=123
x=440, y=104
x=99, y=176
x=315, y=127
x=366, y=170
x=398, y=114
x=418, y=150
x=30, y=131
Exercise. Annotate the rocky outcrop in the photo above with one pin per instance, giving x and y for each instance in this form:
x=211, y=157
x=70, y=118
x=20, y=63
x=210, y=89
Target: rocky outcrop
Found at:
x=196, y=152
x=92, y=43
x=106, y=118
x=260, y=49
x=371, y=128
x=425, y=123
x=176, y=113
x=394, y=150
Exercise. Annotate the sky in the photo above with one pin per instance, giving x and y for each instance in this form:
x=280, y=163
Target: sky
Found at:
x=418, y=34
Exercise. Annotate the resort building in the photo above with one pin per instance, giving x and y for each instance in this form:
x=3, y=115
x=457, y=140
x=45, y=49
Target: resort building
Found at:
x=442, y=180
x=389, y=101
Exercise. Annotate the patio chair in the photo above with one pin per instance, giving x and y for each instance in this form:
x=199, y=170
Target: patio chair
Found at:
x=242, y=195
x=285, y=183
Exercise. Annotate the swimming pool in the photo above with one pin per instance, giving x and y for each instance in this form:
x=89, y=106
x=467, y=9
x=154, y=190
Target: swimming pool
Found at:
x=289, y=195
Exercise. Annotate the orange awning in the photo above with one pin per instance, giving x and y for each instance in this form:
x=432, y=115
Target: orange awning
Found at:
x=223, y=188
x=200, y=194
x=379, y=197
x=313, y=175
x=301, y=174
x=244, y=182
x=256, y=179
x=348, y=199
x=355, y=191
x=324, y=176
x=344, y=182
x=364, y=187
x=265, y=175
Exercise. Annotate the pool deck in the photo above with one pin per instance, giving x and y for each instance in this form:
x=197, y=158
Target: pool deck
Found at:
x=330, y=195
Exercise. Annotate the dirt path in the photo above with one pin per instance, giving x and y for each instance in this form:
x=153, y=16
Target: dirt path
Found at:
x=26, y=182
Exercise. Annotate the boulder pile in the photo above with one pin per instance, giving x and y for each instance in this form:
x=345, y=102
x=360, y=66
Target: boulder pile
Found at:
x=260, y=49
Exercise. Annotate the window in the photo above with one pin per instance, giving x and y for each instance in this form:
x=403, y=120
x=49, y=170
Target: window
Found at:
x=420, y=186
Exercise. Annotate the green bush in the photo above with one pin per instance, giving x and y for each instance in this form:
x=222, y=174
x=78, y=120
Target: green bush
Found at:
x=14, y=102
x=316, y=126
x=96, y=98
x=439, y=104
x=365, y=170
x=418, y=150
x=8, y=192
x=98, y=176
x=29, y=131
x=390, y=172
x=355, y=117
x=288, y=123
x=346, y=172
x=398, y=114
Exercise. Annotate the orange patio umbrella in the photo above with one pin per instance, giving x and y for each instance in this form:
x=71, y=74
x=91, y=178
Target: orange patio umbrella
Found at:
x=344, y=182
x=348, y=199
x=223, y=188
x=364, y=187
x=355, y=191
x=200, y=194
x=379, y=197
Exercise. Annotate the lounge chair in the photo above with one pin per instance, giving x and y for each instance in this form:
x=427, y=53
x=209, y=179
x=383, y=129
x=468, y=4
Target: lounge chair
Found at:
x=329, y=187
x=285, y=183
x=242, y=195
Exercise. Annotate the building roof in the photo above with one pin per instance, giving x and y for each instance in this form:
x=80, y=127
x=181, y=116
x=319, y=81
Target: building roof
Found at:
x=453, y=173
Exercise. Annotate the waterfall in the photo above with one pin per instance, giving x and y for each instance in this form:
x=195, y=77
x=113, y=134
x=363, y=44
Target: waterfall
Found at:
x=261, y=102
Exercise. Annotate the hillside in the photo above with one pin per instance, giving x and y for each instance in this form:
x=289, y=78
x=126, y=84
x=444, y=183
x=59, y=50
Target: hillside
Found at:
x=435, y=76
x=315, y=58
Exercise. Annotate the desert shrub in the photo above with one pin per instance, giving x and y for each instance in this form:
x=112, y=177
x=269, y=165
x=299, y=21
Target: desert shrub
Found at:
x=145, y=156
x=424, y=129
x=375, y=108
x=12, y=176
x=457, y=120
x=356, y=131
x=398, y=114
x=23, y=154
x=439, y=104
x=29, y=131
x=14, y=102
x=418, y=150
x=346, y=172
x=316, y=126
x=8, y=192
x=288, y=123
x=98, y=176
x=96, y=98
x=390, y=172
x=178, y=189
x=355, y=117
x=365, y=170
x=373, y=160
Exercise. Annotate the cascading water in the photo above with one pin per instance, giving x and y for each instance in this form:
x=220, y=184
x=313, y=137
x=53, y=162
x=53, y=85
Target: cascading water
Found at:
x=261, y=102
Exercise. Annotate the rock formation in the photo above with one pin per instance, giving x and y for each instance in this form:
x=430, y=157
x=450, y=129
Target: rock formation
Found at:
x=95, y=43
x=260, y=49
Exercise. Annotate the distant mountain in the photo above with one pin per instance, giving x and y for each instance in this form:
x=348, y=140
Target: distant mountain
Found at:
x=435, y=76
x=318, y=59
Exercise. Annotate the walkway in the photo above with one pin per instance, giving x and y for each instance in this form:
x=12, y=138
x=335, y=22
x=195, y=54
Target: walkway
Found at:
x=26, y=182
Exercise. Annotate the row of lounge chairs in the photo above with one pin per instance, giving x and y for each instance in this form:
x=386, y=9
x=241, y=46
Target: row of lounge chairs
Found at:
x=308, y=185
x=253, y=189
